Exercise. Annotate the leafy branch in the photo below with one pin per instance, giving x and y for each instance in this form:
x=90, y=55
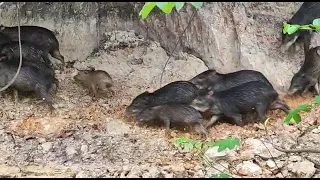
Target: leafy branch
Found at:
x=303, y=107
x=189, y=144
x=292, y=28
x=166, y=7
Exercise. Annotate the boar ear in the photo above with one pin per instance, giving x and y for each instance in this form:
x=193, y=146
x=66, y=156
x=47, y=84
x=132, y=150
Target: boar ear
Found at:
x=318, y=52
x=2, y=27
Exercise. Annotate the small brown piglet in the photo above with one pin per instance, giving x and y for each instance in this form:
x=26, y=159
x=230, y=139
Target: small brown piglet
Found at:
x=98, y=81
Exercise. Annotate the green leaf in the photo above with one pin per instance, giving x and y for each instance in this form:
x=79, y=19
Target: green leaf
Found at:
x=288, y=118
x=292, y=28
x=225, y=143
x=161, y=4
x=295, y=113
x=297, y=118
x=222, y=175
x=186, y=143
x=146, y=9
x=285, y=28
x=303, y=107
x=316, y=22
x=314, y=26
x=318, y=100
x=166, y=7
x=188, y=147
x=305, y=27
x=179, y=5
x=197, y=4
x=179, y=141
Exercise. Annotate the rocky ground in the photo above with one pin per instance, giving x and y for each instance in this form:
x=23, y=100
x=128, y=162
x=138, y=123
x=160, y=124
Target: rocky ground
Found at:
x=86, y=138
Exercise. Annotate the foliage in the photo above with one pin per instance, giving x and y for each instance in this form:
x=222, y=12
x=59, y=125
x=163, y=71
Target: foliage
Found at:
x=189, y=144
x=303, y=107
x=292, y=28
x=223, y=144
x=166, y=7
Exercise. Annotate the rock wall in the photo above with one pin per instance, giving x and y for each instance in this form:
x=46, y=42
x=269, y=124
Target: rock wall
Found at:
x=227, y=36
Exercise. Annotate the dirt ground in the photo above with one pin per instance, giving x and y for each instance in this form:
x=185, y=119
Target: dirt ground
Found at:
x=86, y=138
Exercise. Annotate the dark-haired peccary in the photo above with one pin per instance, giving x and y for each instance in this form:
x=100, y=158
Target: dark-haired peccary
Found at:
x=308, y=75
x=212, y=80
x=39, y=36
x=43, y=68
x=29, y=79
x=97, y=81
x=173, y=113
x=178, y=92
x=304, y=16
x=30, y=52
x=249, y=97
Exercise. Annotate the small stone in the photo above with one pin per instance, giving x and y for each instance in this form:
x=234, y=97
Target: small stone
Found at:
x=46, y=146
x=42, y=140
x=248, y=168
x=213, y=154
x=99, y=143
x=84, y=148
x=188, y=166
x=70, y=151
x=316, y=131
x=271, y=164
x=126, y=168
x=304, y=169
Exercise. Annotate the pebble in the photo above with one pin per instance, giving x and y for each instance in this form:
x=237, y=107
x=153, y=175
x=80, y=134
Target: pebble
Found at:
x=271, y=164
x=46, y=146
x=248, y=168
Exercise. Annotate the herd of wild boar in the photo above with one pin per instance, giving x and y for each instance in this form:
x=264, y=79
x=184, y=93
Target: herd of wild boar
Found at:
x=233, y=95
